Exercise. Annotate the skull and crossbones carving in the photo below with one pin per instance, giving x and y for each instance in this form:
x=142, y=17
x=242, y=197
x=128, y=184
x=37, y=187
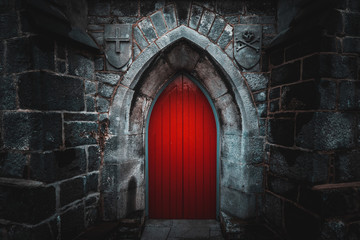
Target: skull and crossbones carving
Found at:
x=248, y=36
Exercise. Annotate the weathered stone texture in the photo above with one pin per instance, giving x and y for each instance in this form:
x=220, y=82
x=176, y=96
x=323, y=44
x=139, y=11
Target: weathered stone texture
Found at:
x=325, y=131
x=32, y=131
x=45, y=91
x=80, y=133
x=7, y=93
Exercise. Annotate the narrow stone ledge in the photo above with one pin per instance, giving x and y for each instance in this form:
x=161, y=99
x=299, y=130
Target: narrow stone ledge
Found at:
x=331, y=186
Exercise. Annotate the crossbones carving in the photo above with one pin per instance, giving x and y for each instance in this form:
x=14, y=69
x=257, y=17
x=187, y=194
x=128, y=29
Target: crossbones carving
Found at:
x=243, y=44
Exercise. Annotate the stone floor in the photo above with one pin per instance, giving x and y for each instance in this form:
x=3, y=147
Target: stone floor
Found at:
x=181, y=229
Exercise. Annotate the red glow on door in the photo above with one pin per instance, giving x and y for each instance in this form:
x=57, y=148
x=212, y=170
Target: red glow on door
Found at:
x=182, y=154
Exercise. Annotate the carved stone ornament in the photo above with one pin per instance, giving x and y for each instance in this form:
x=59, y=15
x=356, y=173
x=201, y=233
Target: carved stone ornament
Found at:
x=118, y=44
x=247, y=45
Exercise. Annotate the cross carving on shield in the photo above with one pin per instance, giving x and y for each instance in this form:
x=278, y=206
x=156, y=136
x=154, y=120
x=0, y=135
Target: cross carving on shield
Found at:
x=247, y=45
x=118, y=44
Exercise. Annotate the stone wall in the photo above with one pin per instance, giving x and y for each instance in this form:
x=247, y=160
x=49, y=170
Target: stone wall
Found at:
x=49, y=151
x=312, y=189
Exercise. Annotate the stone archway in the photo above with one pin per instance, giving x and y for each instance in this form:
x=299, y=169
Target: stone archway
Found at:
x=241, y=148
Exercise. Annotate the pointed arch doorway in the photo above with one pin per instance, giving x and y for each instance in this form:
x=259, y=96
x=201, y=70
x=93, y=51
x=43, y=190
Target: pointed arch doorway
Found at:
x=182, y=153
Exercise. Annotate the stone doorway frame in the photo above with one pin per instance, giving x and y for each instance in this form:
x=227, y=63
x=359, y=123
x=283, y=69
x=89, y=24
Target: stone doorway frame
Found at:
x=124, y=154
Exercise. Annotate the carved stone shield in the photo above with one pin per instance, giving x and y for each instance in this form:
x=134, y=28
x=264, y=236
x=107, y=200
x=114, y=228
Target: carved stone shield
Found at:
x=247, y=45
x=118, y=44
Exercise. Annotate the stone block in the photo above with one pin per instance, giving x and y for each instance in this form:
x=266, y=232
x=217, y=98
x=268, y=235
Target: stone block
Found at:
x=7, y=93
x=157, y=77
x=50, y=167
x=169, y=15
x=273, y=211
x=351, y=45
x=182, y=10
x=296, y=219
x=298, y=165
x=45, y=91
x=319, y=94
x=226, y=36
x=239, y=204
x=274, y=106
x=347, y=166
x=230, y=50
x=330, y=66
x=72, y=222
x=126, y=8
x=206, y=22
x=287, y=73
x=102, y=105
x=254, y=149
x=80, y=133
x=232, y=19
x=140, y=39
x=108, y=78
x=94, y=158
x=105, y=90
x=351, y=21
x=72, y=190
x=81, y=66
x=229, y=114
x=257, y=81
x=138, y=115
x=159, y=23
x=148, y=30
x=195, y=16
x=325, y=130
x=32, y=131
x=207, y=75
x=26, y=203
x=262, y=109
x=183, y=57
x=281, y=131
x=18, y=55
x=90, y=103
x=8, y=25
x=217, y=28
x=231, y=148
x=349, y=95
x=13, y=165
x=260, y=97
x=92, y=183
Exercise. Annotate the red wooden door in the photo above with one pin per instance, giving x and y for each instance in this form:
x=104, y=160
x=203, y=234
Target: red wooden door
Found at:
x=182, y=154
